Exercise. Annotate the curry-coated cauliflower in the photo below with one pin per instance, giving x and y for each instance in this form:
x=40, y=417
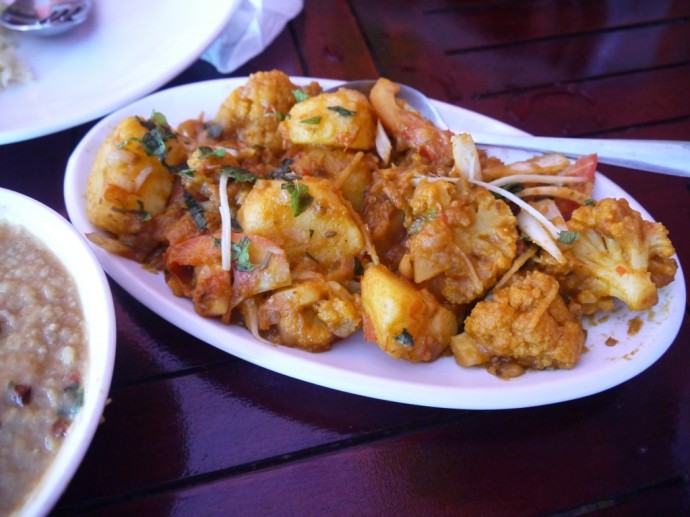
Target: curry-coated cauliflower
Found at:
x=526, y=322
x=617, y=255
x=462, y=239
x=252, y=113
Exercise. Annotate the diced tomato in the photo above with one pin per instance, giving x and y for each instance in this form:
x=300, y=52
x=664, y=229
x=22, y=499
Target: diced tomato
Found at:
x=585, y=167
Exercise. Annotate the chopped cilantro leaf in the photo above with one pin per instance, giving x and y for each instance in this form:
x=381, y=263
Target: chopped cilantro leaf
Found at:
x=238, y=174
x=158, y=119
x=240, y=254
x=314, y=121
x=300, y=198
x=405, y=338
x=142, y=214
x=195, y=210
x=568, y=237
x=299, y=95
x=205, y=151
x=342, y=111
x=153, y=141
x=182, y=169
x=514, y=187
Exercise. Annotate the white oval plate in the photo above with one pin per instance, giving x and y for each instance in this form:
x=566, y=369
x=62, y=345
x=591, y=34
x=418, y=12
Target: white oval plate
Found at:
x=125, y=49
x=354, y=365
x=72, y=249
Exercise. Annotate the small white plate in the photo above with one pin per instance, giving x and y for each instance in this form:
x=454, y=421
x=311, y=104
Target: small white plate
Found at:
x=72, y=250
x=125, y=49
x=359, y=367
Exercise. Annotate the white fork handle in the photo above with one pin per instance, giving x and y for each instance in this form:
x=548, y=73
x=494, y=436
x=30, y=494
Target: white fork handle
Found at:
x=662, y=156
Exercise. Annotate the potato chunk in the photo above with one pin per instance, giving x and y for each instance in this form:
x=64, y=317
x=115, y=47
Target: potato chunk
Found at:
x=342, y=119
x=405, y=321
x=325, y=230
x=127, y=185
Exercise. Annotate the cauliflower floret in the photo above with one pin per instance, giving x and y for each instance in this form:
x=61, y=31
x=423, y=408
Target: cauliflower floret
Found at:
x=253, y=112
x=526, y=322
x=462, y=239
x=619, y=255
x=310, y=315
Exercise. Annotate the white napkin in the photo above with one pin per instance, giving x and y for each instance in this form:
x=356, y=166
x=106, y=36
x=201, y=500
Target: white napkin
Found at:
x=251, y=28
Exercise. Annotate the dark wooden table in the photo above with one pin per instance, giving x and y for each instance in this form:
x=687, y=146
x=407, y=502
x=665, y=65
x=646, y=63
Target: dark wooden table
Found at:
x=194, y=431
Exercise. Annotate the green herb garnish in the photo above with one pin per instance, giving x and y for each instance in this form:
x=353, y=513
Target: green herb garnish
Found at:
x=153, y=141
x=182, y=169
x=405, y=338
x=75, y=392
x=142, y=214
x=195, y=210
x=240, y=254
x=299, y=95
x=342, y=111
x=568, y=237
x=206, y=151
x=238, y=174
x=314, y=121
x=300, y=198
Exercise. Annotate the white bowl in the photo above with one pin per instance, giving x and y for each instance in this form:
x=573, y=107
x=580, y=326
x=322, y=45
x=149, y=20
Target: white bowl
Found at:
x=73, y=251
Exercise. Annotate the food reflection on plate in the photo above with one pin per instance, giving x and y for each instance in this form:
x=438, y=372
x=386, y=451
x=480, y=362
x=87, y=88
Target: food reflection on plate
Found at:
x=316, y=218
x=12, y=69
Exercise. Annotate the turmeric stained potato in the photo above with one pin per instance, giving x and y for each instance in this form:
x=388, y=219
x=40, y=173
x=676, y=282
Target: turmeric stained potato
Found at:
x=407, y=322
x=342, y=119
x=129, y=184
x=324, y=229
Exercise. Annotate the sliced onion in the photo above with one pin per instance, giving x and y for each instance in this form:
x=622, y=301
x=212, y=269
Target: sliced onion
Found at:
x=383, y=144
x=536, y=178
x=466, y=157
x=539, y=235
x=141, y=177
x=226, y=224
x=548, y=225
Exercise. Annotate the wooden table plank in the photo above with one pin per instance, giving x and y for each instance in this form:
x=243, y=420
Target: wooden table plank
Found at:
x=231, y=426
x=332, y=46
x=235, y=417
x=464, y=26
x=521, y=462
x=595, y=107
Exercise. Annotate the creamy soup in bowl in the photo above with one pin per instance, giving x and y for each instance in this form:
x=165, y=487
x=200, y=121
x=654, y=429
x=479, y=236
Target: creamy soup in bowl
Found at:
x=57, y=341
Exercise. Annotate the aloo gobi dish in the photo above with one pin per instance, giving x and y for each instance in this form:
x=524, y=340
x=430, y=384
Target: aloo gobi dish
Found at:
x=307, y=216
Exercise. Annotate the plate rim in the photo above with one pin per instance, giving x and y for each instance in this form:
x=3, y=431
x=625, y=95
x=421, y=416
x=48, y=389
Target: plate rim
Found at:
x=55, y=124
